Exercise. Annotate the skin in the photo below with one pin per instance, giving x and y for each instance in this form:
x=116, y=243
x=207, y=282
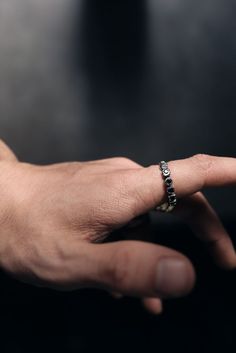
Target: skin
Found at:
x=54, y=218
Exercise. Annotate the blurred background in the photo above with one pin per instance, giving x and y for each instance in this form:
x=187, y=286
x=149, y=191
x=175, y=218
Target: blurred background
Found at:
x=146, y=79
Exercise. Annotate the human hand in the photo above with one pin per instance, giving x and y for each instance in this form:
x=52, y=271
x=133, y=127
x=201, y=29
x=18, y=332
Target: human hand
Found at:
x=54, y=217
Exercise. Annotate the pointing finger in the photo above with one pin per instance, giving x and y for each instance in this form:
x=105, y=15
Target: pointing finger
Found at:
x=145, y=187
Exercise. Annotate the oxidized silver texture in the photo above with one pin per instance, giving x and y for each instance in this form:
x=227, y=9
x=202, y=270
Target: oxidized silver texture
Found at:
x=171, y=196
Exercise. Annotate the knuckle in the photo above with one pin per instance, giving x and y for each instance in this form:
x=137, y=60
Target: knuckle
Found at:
x=73, y=169
x=136, y=198
x=2, y=143
x=74, y=166
x=124, y=161
x=204, y=162
x=120, y=182
x=132, y=198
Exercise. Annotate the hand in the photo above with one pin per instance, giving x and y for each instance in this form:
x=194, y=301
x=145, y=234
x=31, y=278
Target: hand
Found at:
x=52, y=216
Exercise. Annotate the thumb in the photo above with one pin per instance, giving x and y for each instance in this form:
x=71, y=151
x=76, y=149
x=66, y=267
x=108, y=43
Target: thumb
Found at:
x=139, y=269
x=6, y=153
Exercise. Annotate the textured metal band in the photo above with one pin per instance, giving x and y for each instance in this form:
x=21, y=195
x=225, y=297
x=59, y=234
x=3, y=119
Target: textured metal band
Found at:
x=172, y=199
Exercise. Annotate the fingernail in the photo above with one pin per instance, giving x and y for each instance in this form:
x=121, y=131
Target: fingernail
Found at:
x=175, y=277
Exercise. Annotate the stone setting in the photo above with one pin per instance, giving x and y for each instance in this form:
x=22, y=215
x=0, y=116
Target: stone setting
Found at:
x=171, y=196
x=166, y=172
x=168, y=181
x=170, y=190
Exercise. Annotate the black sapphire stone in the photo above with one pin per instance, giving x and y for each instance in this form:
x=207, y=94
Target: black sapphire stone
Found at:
x=168, y=181
x=170, y=190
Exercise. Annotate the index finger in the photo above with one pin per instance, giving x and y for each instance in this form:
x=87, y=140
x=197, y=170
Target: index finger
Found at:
x=189, y=175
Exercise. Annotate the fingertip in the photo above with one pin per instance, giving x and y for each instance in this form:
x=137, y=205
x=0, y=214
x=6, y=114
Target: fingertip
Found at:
x=223, y=252
x=226, y=263
x=153, y=305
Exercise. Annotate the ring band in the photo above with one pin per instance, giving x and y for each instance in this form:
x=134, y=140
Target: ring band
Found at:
x=172, y=199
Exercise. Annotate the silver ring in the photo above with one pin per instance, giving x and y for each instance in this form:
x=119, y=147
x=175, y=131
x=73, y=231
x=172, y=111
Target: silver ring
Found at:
x=171, y=195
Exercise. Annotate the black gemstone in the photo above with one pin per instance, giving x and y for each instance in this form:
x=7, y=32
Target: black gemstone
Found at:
x=168, y=181
x=170, y=190
x=172, y=198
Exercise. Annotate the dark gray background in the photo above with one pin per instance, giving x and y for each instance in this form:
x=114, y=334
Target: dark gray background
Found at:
x=149, y=80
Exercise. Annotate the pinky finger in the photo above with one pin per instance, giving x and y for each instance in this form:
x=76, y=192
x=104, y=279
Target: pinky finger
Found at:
x=153, y=305
x=116, y=295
